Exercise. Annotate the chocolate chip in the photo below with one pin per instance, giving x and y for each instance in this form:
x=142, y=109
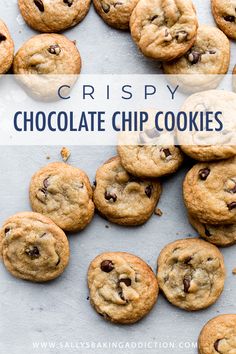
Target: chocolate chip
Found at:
x=216, y=345
x=68, y=2
x=148, y=191
x=194, y=57
x=207, y=232
x=153, y=17
x=231, y=206
x=94, y=183
x=181, y=36
x=212, y=51
x=59, y=260
x=166, y=152
x=229, y=18
x=7, y=229
x=32, y=252
x=186, y=282
x=107, y=266
x=127, y=281
x=187, y=260
x=204, y=173
x=105, y=7
x=152, y=133
x=54, y=49
x=46, y=183
x=2, y=37
x=39, y=5
x=110, y=196
x=121, y=295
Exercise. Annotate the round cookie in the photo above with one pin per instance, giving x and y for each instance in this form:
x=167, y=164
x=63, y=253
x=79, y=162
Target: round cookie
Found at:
x=47, y=54
x=115, y=13
x=53, y=16
x=209, y=55
x=6, y=49
x=225, y=16
x=64, y=194
x=191, y=273
x=220, y=235
x=218, y=336
x=150, y=160
x=162, y=29
x=33, y=247
x=123, y=288
x=209, y=191
x=124, y=199
x=207, y=146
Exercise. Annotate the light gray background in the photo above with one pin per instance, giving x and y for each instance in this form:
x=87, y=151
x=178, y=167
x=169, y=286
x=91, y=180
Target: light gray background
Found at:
x=59, y=311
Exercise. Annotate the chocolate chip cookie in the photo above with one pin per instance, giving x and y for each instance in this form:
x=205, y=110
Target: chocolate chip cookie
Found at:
x=150, y=160
x=218, y=336
x=33, y=247
x=122, y=198
x=224, y=12
x=220, y=235
x=164, y=30
x=64, y=194
x=115, y=13
x=123, y=288
x=48, y=16
x=6, y=49
x=48, y=54
x=209, y=55
x=210, y=145
x=191, y=273
x=209, y=191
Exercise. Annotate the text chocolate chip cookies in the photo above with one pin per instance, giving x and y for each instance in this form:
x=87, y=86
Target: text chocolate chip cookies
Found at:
x=115, y=13
x=33, y=247
x=162, y=29
x=123, y=288
x=48, y=16
x=191, y=273
x=209, y=191
x=218, y=336
x=64, y=194
x=123, y=199
x=6, y=49
x=225, y=16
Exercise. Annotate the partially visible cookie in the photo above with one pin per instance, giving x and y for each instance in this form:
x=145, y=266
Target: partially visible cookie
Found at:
x=209, y=191
x=48, y=54
x=191, y=273
x=209, y=55
x=218, y=336
x=162, y=29
x=6, y=49
x=225, y=16
x=33, y=247
x=115, y=13
x=64, y=194
x=220, y=235
x=210, y=145
x=123, y=288
x=122, y=198
x=234, y=79
x=53, y=16
x=150, y=160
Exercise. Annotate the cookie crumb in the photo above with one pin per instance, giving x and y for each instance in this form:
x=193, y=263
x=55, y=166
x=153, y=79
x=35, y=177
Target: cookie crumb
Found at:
x=48, y=157
x=87, y=297
x=107, y=226
x=158, y=212
x=234, y=271
x=65, y=154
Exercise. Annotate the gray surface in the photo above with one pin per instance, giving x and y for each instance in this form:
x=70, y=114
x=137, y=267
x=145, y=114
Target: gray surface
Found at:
x=59, y=311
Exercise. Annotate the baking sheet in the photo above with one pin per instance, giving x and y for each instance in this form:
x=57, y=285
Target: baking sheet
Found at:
x=57, y=315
